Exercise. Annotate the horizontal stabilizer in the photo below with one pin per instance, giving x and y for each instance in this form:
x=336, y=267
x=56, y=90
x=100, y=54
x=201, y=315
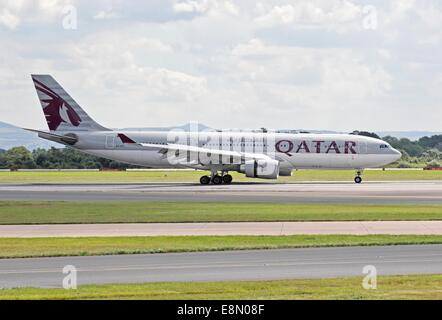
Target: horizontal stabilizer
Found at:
x=65, y=139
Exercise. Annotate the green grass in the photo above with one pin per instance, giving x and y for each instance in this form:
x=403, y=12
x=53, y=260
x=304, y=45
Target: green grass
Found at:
x=51, y=212
x=388, y=287
x=193, y=176
x=49, y=247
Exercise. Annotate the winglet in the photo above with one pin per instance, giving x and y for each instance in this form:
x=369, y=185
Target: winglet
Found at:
x=125, y=139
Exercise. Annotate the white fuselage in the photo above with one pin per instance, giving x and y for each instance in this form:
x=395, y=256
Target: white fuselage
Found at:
x=257, y=155
x=293, y=151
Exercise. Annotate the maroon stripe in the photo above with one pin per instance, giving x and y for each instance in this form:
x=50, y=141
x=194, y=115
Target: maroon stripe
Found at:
x=125, y=139
x=44, y=86
x=49, y=93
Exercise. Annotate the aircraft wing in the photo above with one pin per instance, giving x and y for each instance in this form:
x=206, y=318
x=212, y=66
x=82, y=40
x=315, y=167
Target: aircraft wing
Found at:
x=172, y=147
x=186, y=148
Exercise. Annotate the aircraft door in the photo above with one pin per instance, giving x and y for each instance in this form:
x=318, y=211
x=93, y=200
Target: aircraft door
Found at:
x=110, y=142
x=362, y=147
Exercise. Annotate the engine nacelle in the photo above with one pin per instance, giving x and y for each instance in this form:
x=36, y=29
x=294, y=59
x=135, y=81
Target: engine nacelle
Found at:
x=285, y=172
x=264, y=169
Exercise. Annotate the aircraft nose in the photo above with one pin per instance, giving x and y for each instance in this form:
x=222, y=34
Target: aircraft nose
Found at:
x=397, y=153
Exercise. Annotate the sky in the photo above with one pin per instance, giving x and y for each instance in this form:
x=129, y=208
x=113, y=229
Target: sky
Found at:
x=314, y=64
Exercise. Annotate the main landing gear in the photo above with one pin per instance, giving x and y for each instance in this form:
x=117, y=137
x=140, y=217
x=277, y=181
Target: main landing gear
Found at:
x=205, y=180
x=358, y=178
x=216, y=179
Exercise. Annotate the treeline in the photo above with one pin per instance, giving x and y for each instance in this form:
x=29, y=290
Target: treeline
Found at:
x=425, y=152
x=65, y=158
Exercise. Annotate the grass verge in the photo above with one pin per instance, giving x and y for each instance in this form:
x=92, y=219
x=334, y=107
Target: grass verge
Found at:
x=50, y=247
x=53, y=212
x=193, y=176
x=388, y=287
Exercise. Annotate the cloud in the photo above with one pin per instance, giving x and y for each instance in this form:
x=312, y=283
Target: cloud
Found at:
x=206, y=7
x=191, y=6
x=309, y=13
x=8, y=19
x=119, y=62
x=291, y=77
x=13, y=14
x=227, y=63
x=105, y=14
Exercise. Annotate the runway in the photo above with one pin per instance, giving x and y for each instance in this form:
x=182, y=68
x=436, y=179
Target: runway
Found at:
x=223, y=229
x=224, y=266
x=408, y=192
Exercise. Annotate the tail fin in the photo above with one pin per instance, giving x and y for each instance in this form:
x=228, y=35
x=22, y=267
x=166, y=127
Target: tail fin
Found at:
x=61, y=111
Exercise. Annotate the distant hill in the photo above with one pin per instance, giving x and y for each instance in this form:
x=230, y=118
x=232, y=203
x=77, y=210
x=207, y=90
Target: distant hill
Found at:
x=12, y=136
x=412, y=135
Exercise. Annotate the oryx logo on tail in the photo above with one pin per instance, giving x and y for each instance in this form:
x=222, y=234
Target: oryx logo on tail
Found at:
x=55, y=108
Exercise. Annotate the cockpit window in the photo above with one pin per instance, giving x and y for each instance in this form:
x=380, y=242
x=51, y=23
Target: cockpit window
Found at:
x=384, y=146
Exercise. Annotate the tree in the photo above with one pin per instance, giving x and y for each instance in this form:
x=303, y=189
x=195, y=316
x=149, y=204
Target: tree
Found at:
x=432, y=154
x=431, y=142
x=18, y=158
x=394, y=142
x=2, y=160
x=367, y=134
x=412, y=148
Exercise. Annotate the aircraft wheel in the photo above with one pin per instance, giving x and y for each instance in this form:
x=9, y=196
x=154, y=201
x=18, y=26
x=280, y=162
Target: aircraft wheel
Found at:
x=205, y=180
x=217, y=180
x=358, y=179
x=227, y=179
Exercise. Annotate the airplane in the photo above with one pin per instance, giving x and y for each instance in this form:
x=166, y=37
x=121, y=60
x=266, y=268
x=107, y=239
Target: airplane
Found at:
x=265, y=155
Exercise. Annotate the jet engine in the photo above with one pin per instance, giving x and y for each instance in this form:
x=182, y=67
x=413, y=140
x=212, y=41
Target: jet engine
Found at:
x=264, y=169
x=286, y=172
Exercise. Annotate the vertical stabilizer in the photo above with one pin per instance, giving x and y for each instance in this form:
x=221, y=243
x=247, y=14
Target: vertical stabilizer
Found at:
x=61, y=111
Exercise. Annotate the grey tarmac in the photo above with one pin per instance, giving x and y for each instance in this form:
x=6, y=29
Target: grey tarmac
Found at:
x=224, y=266
x=408, y=192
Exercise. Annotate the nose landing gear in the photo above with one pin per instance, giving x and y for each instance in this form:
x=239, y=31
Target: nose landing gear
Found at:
x=358, y=178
